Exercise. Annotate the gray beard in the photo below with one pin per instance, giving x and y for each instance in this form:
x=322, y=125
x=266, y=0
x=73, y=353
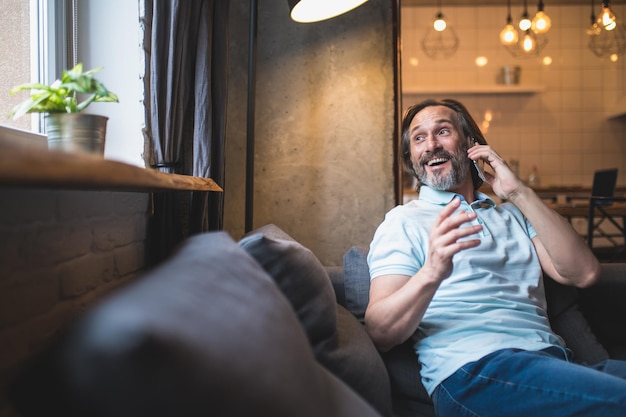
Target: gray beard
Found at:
x=439, y=182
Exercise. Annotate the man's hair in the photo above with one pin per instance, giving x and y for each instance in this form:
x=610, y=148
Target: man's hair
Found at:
x=466, y=122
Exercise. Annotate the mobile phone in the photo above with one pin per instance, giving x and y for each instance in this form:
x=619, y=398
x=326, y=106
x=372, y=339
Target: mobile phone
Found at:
x=478, y=164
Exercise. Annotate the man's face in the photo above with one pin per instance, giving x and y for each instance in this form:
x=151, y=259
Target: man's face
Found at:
x=438, y=148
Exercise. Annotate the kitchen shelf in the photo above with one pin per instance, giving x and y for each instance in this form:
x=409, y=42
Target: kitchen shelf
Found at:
x=477, y=89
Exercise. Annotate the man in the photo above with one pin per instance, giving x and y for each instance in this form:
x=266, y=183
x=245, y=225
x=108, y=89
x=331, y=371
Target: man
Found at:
x=462, y=277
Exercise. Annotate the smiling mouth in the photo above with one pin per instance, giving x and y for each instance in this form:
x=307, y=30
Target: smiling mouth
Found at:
x=436, y=161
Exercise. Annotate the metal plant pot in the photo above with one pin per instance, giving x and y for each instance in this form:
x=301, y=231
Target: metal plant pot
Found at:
x=76, y=132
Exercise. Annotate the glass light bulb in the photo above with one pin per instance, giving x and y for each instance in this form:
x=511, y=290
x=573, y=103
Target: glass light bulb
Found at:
x=525, y=23
x=528, y=43
x=541, y=23
x=440, y=25
x=508, y=35
x=607, y=19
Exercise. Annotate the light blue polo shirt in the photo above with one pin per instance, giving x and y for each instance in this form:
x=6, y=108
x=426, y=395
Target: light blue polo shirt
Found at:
x=494, y=299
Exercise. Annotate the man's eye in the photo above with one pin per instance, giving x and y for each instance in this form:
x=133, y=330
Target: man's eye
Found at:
x=444, y=131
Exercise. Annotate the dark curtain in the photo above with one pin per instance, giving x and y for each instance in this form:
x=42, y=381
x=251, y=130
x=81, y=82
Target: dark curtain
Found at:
x=187, y=55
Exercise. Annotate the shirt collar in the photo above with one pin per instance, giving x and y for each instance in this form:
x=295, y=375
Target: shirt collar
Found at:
x=444, y=197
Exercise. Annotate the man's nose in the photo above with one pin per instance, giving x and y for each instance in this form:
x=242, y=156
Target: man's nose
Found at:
x=432, y=142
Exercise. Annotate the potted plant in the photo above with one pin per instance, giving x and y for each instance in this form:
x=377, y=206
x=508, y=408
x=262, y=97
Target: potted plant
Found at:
x=63, y=101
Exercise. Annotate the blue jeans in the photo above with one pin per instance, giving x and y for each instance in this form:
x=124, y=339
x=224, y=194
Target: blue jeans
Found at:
x=514, y=382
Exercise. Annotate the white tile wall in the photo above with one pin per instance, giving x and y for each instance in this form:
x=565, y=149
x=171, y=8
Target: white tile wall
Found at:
x=564, y=130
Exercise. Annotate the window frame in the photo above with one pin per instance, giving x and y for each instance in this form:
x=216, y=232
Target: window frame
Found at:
x=54, y=43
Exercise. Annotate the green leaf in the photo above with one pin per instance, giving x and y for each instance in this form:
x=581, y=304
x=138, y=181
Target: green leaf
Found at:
x=62, y=94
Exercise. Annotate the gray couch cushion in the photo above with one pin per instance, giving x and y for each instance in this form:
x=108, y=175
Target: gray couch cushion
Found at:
x=302, y=279
x=206, y=333
x=339, y=341
x=357, y=281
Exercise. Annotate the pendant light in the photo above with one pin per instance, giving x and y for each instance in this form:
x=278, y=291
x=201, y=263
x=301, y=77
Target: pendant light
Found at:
x=606, y=43
x=307, y=11
x=609, y=44
x=522, y=44
x=607, y=18
x=440, y=40
x=525, y=23
x=528, y=43
x=440, y=23
x=541, y=23
x=508, y=35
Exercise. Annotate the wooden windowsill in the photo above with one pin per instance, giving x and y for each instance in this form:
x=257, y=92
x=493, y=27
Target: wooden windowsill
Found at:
x=24, y=164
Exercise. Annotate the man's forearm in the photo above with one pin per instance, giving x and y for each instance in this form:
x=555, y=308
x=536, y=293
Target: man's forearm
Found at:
x=569, y=254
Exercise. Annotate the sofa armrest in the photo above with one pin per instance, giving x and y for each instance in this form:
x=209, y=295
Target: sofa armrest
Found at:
x=604, y=306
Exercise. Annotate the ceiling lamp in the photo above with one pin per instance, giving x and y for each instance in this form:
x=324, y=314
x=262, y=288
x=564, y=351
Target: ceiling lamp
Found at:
x=440, y=41
x=525, y=23
x=307, y=11
x=508, y=35
x=528, y=42
x=530, y=45
x=608, y=44
x=440, y=23
x=607, y=18
x=541, y=23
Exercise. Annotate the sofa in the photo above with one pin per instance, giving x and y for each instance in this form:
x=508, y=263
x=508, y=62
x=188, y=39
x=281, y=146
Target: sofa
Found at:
x=259, y=327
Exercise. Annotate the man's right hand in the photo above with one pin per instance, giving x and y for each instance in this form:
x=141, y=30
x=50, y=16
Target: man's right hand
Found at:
x=446, y=239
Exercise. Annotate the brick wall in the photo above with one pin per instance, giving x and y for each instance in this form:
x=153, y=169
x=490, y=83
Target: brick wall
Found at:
x=59, y=252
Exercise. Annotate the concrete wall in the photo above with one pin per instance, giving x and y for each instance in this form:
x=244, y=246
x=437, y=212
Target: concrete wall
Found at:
x=324, y=125
x=59, y=252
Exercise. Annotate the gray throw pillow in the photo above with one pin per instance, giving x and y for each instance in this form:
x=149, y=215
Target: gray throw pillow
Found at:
x=301, y=278
x=357, y=281
x=339, y=341
x=206, y=333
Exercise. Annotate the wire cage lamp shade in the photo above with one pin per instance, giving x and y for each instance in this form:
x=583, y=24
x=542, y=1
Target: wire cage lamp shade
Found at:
x=307, y=11
x=606, y=42
x=440, y=40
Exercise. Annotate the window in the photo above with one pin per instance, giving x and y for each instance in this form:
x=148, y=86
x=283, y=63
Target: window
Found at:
x=48, y=28
x=39, y=44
